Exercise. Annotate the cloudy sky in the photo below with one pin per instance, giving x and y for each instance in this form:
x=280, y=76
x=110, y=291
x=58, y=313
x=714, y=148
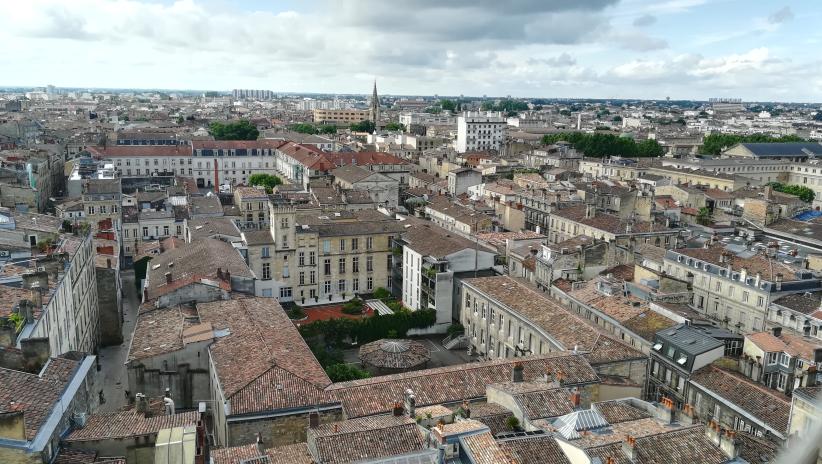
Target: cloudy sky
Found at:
x=755, y=50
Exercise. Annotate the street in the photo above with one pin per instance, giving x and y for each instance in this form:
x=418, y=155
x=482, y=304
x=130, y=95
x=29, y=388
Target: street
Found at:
x=112, y=378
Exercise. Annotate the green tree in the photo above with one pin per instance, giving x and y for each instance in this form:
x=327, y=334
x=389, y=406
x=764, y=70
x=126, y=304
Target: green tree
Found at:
x=599, y=145
x=266, y=181
x=180, y=119
x=327, y=129
x=394, y=126
x=303, y=128
x=703, y=217
x=804, y=193
x=363, y=126
x=446, y=104
x=713, y=144
x=345, y=372
x=238, y=130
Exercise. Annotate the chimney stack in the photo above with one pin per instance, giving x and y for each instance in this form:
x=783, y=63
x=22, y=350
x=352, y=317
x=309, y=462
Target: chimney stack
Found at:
x=777, y=331
x=168, y=278
x=410, y=403
x=665, y=411
x=575, y=398
x=516, y=372
x=466, y=409
x=779, y=282
x=712, y=432
x=398, y=410
x=728, y=444
x=220, y=273
x=142, y=404
x=628, y=447
x=313, y=419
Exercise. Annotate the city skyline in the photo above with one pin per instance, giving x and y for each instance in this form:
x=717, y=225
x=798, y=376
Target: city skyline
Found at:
x=599, y=49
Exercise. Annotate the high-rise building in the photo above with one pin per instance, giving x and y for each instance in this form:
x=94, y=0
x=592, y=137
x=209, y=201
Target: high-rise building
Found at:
x=478, y=132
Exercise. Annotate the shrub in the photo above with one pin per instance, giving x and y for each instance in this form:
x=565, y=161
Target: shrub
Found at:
x=381, y=293
x=345, y=372
x=512, y=423
x=296, y=313
x=454, y=329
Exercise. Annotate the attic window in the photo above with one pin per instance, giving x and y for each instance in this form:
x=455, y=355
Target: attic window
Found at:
x=682, y=360
x=657, y=346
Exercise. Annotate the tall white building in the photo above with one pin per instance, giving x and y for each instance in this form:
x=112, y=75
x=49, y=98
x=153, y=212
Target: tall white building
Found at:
x=479, y=132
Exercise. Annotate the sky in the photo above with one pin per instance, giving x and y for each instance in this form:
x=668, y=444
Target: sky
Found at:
x=683, y=49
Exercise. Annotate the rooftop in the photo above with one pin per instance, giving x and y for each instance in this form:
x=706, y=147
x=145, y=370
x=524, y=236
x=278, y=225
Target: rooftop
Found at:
x=365, y=438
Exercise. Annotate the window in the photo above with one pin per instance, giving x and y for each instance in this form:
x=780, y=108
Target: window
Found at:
x=165, y=230
x=744, y=297
x=286, y=274
x=284, y=223
x=327, y=287
x=285, y=292
x=369, y=263
x=670, y=352
x=179, y=230
x=718, y=287
x=266, y=271
x=145, y=231
x=760, y=301
x=313, y=277
x=369, y=284
x=341, y=285
x=355, y=264
x=266, y=252
x=355, y=285
x=302, y=277
x=326, y=246
x=301, y=258
x=312, y=261
x=327, y=266
x=784, y=359
x=369, y=243
x=355, y=244
x=341, y=265
x=770, y=358
x=342, y=244
x=781, y=381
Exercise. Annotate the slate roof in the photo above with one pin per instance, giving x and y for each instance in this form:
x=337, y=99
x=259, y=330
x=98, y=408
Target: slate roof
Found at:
x=768, y=405
x=784, y=149
x=452, y=384
x=549, y=316
x=365, y=438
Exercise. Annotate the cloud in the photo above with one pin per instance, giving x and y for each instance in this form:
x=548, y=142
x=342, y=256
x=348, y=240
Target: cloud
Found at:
x=783, y=15
x=639, y=42
x=645, y=20
x=559, y=61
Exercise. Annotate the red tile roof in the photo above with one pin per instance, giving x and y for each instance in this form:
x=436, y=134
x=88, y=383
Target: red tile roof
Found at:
x=128, y=423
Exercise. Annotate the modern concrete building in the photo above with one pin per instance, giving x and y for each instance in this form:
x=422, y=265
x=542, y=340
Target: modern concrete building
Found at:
x=478, y=132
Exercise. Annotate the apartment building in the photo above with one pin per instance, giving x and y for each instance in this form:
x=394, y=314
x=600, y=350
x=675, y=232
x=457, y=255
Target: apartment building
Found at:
x=322, y=257
x=572, y=221
x=736, y=291
x=102, y=201
x=478, y=132
x=782, y=360
x=431, y=265
x=457, y=218
x=342, y=117
x=253, y=205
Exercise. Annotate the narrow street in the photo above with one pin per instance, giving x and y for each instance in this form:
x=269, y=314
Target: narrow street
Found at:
x=112, y=378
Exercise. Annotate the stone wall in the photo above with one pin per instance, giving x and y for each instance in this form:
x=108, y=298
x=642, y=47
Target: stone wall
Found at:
x=277, y=431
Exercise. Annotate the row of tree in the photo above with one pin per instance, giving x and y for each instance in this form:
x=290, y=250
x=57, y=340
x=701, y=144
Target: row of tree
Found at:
x=266, y=181
x=601, y=145
x=804, y=193
x=307, y=128
x=237, y=130
x=713, y=144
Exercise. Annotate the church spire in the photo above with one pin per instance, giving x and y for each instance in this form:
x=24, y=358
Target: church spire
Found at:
x=374, y=114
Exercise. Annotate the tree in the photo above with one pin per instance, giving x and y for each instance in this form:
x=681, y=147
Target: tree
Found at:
x=363, y=126
x=703, y=217
x=804, y=193
x=713, y=144
x=180, y=119
x=303, y=128
x=266, y=181
x=327, y=129
x=238, y=130
x=449, y=105
x=600, y=145
x=394, y=126
x=345, y=372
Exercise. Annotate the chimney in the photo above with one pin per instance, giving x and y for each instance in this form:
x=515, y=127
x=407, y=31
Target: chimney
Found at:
x=410, y=403
x=516, y=372
x=220, y=273
x=36, y=353
x=398, y=410
x=560, y=377
x=227, y=276
x=743, y=274
x=665, y=411
x=779, y=282
x=628, y=447
x=313, y=419
x=466, y=409
x=810, y=377
x=712, y=432
x=168, y=404
x=575, y=398
x=590, y=211
x=168, y=278
x=728, y=444
x=260, y=446
x=777, y=331
x=142, y=404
